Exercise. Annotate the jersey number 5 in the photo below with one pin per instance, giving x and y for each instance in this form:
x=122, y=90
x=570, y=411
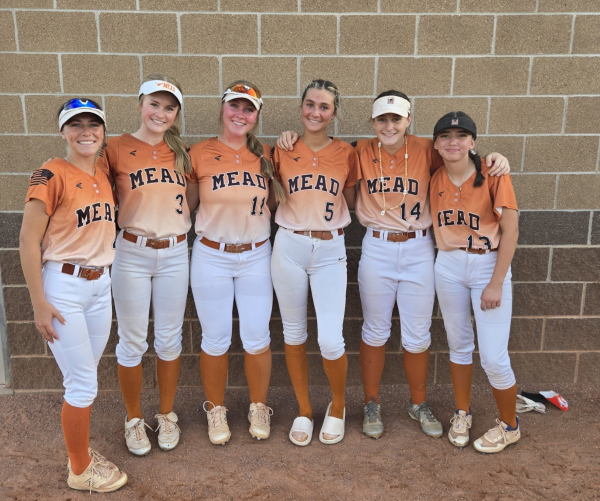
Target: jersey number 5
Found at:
x=254, y=204
x=328, y=211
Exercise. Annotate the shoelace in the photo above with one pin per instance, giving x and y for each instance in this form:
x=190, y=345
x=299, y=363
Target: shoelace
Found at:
x=495, y=433
x=99, y=468
x=216, y=417
x=138, y=429
x=263, y=414
x=424, y=408
x=166, y=423
x=460, y=423
x=372, y=411
x=98, y=458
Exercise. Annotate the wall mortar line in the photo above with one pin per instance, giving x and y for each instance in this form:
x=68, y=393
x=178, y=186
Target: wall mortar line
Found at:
x=60, y=74
x=556, y=191
x=179, y=39
x=565, y=107
x=99, y=42
x=417, y=20
x=259, y=33
x=523, y=153
x=337, y=34
x=493, y=52
x=543, y=337
x=549, y=275
x=572, y=34
x=529, y=76
x=24, y=115
x=376, y=77
x=14, y=13
x=452, y=73
x=576, y=375
x=589, y=239
x=583, y=293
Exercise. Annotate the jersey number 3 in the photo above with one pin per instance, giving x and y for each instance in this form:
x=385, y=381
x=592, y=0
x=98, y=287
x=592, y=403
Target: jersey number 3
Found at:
x=179, y=198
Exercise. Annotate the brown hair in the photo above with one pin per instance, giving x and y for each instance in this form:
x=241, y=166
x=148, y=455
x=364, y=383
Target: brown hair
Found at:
x=255, y=146
x=172, y=136
x=320, y=84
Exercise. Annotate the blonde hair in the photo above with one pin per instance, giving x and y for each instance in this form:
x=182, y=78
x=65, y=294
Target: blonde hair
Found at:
x=172, y=136
x=255, y=147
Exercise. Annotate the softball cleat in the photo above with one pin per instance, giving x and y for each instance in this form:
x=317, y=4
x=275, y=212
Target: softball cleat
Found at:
x=259, y=416
x=372, y=423
x=458, y=434
x=496, y=439
x=218, y=429
x=136, y=438
x=168, y=431
x=429, y=424
x=99, y=476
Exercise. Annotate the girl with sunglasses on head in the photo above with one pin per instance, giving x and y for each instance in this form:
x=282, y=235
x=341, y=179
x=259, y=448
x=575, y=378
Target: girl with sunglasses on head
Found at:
x=476, y=229
x=149, y=170
x=319, y=178
x=70, y=209
x=396, y=264
x=232, y=179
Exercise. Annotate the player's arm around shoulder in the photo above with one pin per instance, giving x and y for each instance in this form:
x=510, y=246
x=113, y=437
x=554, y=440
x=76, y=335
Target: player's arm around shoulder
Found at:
x=192, y=190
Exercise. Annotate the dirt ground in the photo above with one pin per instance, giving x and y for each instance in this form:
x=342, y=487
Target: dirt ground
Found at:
x=558, y=456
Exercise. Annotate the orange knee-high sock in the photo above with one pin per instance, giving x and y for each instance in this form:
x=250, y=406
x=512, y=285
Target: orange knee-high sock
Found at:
x=372, y=361
x=76, y=430
x=416, y=367
x=167, y=374
x=297, y=364
x=130, y=379
x=214, y=377
x=462, y=381
x=336, y=372
x=506, y=400
x=258, y=375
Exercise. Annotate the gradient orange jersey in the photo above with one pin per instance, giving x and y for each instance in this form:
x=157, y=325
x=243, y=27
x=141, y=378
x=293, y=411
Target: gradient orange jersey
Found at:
x=313, y=183
x=414, y=213
x=467, y=216
x=233, y=193
x=81, y=208
x=150, y=191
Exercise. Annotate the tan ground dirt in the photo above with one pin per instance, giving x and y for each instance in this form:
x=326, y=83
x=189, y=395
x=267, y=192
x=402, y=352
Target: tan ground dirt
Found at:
x=558, y=456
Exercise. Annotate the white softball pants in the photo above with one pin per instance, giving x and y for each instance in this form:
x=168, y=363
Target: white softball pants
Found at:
x=298, y=261
x=402, y=272
x=460, y=279
x=86, y=307
x=217, y=277
x=141, y=274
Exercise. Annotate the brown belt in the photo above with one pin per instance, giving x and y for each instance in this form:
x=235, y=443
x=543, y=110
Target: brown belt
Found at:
x=154, y=243
x=477, y=251
x=321, y=235
x=398, y=237
x=88, y=273
x=235, y=248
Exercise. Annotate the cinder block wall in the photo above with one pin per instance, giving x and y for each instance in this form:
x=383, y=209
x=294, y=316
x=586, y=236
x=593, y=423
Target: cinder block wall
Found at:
x=528, y=71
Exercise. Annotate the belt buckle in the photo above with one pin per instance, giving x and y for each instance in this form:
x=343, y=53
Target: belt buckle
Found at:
x=399, y=237
x=91, y=273
x=235, y=248
x=310, y=234
x=156, y=243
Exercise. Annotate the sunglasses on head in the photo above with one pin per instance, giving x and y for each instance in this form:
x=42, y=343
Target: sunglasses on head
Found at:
x=79, y=103
x=243, y=89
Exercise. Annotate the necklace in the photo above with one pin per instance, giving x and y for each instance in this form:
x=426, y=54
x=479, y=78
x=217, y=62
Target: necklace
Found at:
x=466, y=176
x=405, y=178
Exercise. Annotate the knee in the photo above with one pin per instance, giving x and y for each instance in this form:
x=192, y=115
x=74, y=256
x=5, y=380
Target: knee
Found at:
x=82, y=396
x=332, y=349
x=499, y=373
x=215, y=347
x=295, y=336
x=374, y=337
x=416, y=343
x=461, y=357
x=130, y=354
x=168, y=347
x=257, y=345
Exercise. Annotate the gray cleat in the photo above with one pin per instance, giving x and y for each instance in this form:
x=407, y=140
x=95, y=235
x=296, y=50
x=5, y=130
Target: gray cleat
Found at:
x=372, y=423
x=429, y=424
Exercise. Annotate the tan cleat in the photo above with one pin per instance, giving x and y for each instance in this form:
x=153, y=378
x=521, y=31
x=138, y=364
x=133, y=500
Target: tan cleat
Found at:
x=168, y=431
x=218, y=429
x=496, y=439
x=260, y=420
x=136, y=438
x=458, y=434
x=99, y=476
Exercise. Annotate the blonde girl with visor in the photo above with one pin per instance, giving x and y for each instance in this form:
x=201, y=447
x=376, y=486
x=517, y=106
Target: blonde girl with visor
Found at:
x=396, y=265
x=149, y=169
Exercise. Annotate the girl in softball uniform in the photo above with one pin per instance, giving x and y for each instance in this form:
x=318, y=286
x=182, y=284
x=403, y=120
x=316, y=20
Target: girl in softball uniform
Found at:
x=396, y=264
x=319, y=177
x=232, y=179
x=476, y=230
x=70, y=208
x=149, y=169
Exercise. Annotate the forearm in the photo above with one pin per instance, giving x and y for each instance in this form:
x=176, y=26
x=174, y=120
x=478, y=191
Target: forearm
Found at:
x=31, y=263
x=192, y=195
x=506, y=251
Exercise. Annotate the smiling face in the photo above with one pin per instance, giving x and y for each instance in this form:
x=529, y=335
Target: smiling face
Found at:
x=159, y=111
x=454, y=144
x=318, y=110
x=391, y=128
x=239, y=117
x=84, y=134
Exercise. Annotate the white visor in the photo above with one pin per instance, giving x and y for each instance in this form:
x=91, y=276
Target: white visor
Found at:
x=391, y=104
x=66, y=115
x=230, y=96
x=161, y=86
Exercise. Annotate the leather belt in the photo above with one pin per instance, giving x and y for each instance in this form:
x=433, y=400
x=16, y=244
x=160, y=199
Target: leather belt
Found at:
x=234, y=248
x=87, y=273
x=321, y=235
x=477, y=251
x=398, y=237
x=153, y=243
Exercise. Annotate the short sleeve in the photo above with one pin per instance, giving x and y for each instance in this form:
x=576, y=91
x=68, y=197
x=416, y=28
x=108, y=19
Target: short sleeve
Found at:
x=354, y=173
x=46, y=184
x=502, y=193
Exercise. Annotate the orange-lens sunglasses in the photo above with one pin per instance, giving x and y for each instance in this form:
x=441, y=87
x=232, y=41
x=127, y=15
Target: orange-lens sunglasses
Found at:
x=244, y=89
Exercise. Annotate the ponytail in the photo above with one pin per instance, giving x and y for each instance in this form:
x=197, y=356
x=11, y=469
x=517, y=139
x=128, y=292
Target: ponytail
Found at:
x=172, y=138
x=266, y=167
x=479, y=177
